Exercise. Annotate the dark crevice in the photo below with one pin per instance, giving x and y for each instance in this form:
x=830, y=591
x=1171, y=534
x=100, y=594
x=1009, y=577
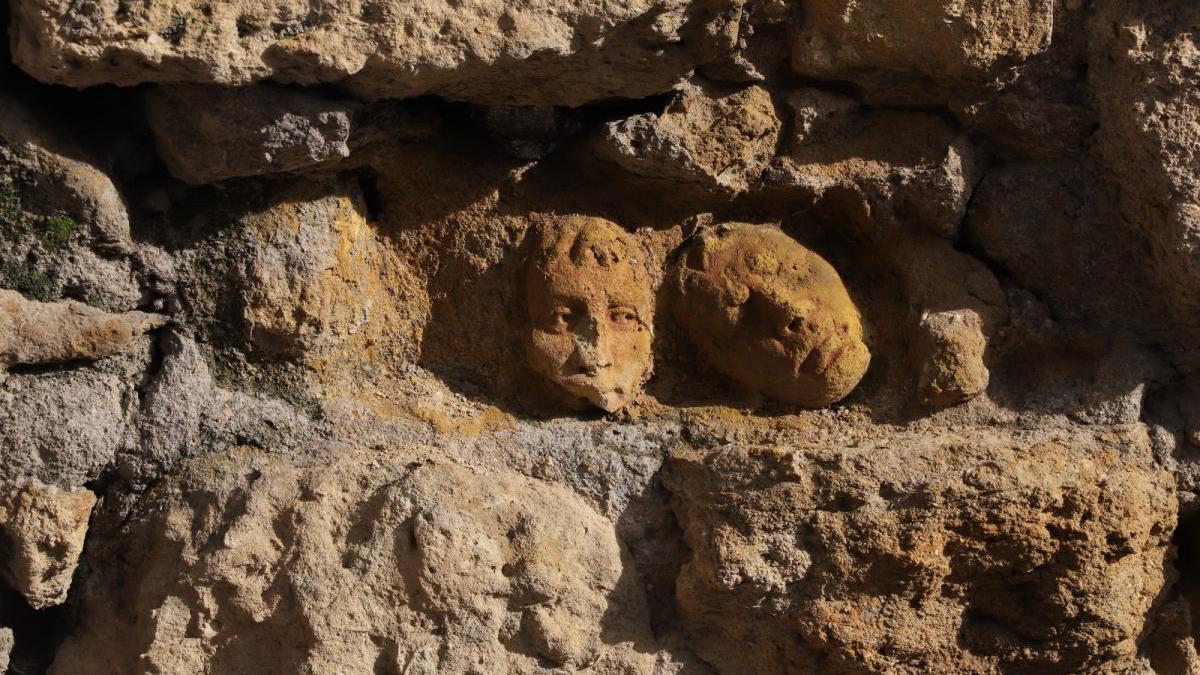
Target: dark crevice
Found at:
x=369, y=186
x=1187, y=564
x=36, y=633
x=36, y=369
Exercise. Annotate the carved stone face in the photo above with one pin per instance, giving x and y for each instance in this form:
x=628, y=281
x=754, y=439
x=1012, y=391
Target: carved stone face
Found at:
x=770, y=314
x=589, y=301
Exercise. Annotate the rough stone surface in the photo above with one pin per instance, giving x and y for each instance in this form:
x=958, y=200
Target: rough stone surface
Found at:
x=43, y=528
x=380, y=559
x=532, y=52
x=6, y=645
x=948, y=349
x=956, y=305
x=877, y=165
x=62, y=428
x=307, y=286
x=37, y=332
x=1147, y=84
x=185, y=414
x=207, y=134
x=1053, y=236
x=942, y=553
x=400, y=337
x=709, y=141
x=941, y=41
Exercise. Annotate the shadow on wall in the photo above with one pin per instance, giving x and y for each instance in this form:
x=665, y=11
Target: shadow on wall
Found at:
x=653, y=553
x=36, y=634
x=1187, y=564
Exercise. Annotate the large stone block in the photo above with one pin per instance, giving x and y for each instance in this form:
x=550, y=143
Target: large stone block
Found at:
x=978, y=552
x=943, y=41
x=528, y=52
x=207, y=134
x=372, y=561
x=1146, y=86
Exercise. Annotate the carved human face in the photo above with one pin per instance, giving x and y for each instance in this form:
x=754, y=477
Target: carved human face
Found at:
x=771, y=314
x=590, y=306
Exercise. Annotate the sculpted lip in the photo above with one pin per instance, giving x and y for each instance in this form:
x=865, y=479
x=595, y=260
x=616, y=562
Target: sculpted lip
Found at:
x=818, y=360
x=825, y=364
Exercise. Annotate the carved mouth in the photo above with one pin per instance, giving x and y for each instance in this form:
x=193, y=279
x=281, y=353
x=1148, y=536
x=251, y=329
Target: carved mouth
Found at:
x=609, y=398
x=819, y=361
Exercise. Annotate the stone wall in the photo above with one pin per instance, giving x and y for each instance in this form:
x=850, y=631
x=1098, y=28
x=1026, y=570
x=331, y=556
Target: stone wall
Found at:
x=696, y=337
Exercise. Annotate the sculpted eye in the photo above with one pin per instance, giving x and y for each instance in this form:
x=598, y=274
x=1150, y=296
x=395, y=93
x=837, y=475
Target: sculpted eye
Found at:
x=624, y=316
x=561, y=318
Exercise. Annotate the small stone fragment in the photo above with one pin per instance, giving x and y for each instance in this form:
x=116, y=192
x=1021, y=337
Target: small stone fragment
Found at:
x=34, y=332
x=948, y=349
x=208, y=133
x=719, y=142
x=44, y=528
x=956, y=304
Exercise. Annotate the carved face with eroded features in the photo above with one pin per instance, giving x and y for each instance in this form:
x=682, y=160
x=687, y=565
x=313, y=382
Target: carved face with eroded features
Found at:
x=771, y=314
x=589, y=301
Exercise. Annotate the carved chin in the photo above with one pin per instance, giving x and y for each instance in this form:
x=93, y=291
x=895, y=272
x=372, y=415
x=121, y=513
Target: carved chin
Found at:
x=607, y=398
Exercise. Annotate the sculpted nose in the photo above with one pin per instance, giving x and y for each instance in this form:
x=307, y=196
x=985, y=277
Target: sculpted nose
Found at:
x=592, y=352
x=783, y=317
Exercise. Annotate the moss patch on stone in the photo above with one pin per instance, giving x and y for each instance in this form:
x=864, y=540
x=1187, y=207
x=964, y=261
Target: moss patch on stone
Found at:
x=29, y=281
x=53, y=231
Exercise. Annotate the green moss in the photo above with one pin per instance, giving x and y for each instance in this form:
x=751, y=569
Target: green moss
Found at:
x=10, y=203
x=54, y=231
x=29, y=281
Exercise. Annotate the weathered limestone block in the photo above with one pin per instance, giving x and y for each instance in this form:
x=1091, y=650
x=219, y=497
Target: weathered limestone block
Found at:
x=43, y=528
x=57, y=332
x=530, y=52
x=946, y=41
x=312, y=280
x=975, y=552
x=880, y=166
x=589, y=313
x=370, y=560
x=57, y=178
x=717, y=142
x=770, y=314
x=956, y=305
x=210, y=133
x=185, y=414
x=1145, y=80
x=63, y=428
